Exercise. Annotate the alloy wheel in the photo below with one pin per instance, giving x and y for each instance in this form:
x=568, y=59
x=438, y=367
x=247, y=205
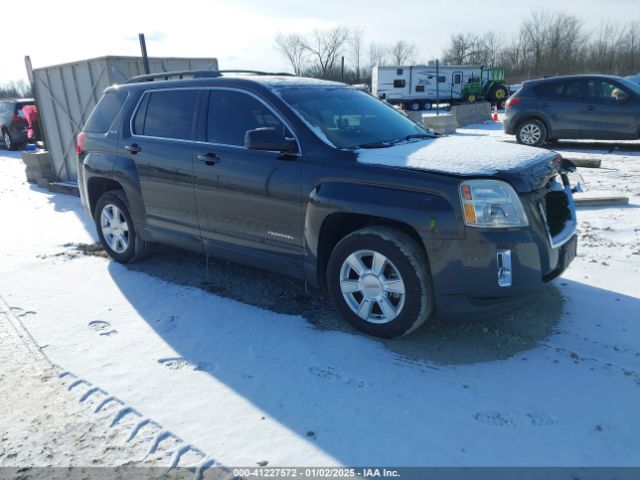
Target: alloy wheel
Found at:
x=530, y=134
x=115, y=228
x=372, y=286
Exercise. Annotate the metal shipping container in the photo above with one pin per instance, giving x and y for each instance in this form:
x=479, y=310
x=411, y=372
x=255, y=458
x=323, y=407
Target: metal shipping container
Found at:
x=67, y=93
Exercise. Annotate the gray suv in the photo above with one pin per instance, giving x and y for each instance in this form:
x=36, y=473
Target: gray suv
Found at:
x=581, y=106
x=13, y=126
x=327, y=184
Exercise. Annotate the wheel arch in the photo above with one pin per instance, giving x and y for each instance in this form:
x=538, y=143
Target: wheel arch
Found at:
x=338, y=225
x=98, y=186
x=535, y=116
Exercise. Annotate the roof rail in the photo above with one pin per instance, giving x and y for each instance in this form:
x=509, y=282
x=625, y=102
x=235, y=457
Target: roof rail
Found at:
x=178, y=75
x=257, y=72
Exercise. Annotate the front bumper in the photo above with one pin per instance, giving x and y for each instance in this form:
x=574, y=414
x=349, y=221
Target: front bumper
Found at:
x=470, y=285
x=487, y=299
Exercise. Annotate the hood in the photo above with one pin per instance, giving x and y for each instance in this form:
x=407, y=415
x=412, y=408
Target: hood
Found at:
x=525, y=168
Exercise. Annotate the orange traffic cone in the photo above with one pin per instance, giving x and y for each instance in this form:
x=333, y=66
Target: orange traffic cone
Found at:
x=495, y=113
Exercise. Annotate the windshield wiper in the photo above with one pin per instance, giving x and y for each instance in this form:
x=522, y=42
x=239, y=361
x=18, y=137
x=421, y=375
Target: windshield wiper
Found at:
x=384, y=144
x=389, y=143
x=416, y=135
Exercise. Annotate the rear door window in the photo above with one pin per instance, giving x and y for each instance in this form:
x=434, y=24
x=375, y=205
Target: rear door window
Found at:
x=565, y=90
x=105, y=112
x=232, y=113
x=169, y=114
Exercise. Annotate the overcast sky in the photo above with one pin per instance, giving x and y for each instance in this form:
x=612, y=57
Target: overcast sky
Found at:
x=240, y=33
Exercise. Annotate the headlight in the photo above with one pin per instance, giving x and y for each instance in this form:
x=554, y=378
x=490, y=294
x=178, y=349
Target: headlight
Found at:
x=491, y=204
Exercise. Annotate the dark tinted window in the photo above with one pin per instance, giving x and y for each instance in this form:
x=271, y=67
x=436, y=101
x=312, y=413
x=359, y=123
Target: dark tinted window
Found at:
x=568, y=89
x=399, y=83
x=170, y=114
x=21, y=105
x=232, y=113
x=138, y=120
x=105, y=112
x=457, y=79
x=419, y=88
x=602, y=90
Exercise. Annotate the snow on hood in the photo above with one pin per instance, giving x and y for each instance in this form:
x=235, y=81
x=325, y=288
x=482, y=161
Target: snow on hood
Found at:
x=457, y=155
x=526, y=168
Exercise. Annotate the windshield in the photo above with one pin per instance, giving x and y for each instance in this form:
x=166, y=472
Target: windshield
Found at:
x=350, y=118
x=631, y=85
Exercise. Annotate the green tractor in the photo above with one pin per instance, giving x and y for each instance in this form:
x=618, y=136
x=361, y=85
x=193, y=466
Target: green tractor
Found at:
x=489, y=86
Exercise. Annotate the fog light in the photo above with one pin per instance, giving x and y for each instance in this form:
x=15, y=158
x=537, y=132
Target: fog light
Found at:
x=504, y=268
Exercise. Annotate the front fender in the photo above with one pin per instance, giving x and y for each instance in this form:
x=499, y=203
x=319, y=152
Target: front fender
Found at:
x=431, y=214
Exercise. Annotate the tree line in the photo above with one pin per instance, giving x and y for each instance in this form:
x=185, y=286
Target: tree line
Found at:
x=320, y=54
x=552, y=43
x=17, y=89
x=546, y=43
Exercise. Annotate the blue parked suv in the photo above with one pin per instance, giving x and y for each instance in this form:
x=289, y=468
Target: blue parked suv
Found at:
x=598, y=107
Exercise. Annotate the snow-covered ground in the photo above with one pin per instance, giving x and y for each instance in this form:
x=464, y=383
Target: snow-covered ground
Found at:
x=556, y=383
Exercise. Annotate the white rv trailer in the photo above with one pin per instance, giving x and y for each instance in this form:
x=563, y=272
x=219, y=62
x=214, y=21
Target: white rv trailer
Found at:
x=415, y=86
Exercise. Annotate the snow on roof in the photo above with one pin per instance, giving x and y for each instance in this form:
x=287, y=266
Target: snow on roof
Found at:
x=456, y=155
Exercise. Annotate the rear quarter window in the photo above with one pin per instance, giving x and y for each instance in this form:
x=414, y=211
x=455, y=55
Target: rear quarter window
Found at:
x=21, y=105
x=105, y=112
x=168, y=114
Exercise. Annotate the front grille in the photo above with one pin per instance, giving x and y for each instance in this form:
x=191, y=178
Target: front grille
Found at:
x=557, y=210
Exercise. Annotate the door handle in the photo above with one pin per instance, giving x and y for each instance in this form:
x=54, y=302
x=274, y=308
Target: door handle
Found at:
x=209, y=158
x=133, y=148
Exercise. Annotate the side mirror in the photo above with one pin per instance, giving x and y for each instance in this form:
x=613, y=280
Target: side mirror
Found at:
x=268, y=138
x=622, y=97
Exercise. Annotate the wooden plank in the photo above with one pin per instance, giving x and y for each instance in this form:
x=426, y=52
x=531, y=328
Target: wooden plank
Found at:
x=599, y=200
x=585, y=162
x=64, y=187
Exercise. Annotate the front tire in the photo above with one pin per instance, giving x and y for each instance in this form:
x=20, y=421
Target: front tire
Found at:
x=116, y=230
x=379, y=280
x=531, y=132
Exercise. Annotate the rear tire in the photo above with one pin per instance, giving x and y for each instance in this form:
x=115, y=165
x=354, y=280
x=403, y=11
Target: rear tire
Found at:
x=498, y=94
x=8, y=141
x=379, y=280
x=116, y=230
x=531, y=132
x=414, y=106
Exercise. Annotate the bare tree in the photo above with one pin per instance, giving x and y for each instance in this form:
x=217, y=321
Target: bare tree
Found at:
x=402, y=52
x=632, y=62
x=325, y=47
x=377, y=54
x=292, y=47
x=355, y=51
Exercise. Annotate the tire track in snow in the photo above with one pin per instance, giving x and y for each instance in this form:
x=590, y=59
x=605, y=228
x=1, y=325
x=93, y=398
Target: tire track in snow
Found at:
x=164, y=448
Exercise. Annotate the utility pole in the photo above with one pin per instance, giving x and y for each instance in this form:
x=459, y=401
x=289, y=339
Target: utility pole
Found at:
x=437, y=87
x=145, y=57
